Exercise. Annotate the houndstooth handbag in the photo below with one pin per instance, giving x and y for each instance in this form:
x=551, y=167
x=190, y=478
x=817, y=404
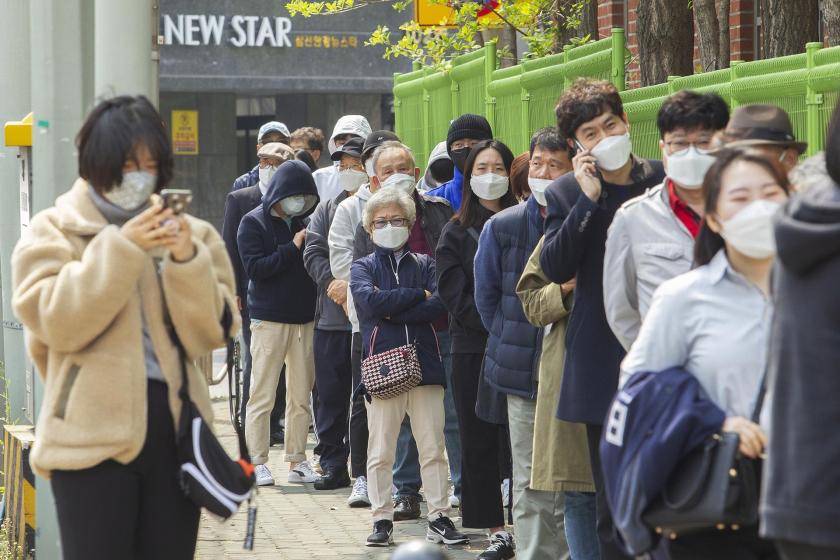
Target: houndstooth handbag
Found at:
x=393, y=372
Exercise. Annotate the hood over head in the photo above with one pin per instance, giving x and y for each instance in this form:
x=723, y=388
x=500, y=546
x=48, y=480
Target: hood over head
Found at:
x=292, y=178
x=427, y=181
x=808, y=228
x=349, y=124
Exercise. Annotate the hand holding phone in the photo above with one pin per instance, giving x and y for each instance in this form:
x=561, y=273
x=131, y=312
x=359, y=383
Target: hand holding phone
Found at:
x=586, y=173
x=176, y=199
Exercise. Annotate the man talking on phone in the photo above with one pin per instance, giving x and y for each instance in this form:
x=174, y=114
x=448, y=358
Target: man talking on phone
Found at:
x=581, y=206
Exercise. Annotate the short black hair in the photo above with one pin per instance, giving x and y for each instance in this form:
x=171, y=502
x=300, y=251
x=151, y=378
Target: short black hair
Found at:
x=548, y=138
x=585, y=100
x=467, y=214
x=691, y=110
x=110, y=136
x=832, y=145
x=313, y=137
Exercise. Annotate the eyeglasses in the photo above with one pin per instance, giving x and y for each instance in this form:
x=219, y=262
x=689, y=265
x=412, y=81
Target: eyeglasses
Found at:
x=354, y=167
x=269, y=163
x=677, y=146
x=395, y=222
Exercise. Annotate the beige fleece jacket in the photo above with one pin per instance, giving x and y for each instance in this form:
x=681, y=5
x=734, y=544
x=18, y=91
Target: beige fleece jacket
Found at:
x=79, y=286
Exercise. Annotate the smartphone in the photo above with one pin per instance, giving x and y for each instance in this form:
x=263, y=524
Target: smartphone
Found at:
x=176, y=199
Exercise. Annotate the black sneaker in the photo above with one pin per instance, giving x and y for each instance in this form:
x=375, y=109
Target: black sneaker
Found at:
x=406, y=507
x=278, y=437
x=442, y=530
x=501, y=547
x=383, y=534
x=335, y=478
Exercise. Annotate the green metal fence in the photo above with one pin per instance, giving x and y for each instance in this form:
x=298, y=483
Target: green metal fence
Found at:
x=516, y=100
x=521, y=99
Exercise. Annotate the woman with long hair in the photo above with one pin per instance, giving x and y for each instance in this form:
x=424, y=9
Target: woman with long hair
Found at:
x=486, y=191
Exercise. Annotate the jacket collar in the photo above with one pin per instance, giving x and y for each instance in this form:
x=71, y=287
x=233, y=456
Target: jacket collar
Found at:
x=532, y=207
x=77, y=213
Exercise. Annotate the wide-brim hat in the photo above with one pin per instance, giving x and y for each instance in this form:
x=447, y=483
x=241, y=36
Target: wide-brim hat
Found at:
x=761, y=125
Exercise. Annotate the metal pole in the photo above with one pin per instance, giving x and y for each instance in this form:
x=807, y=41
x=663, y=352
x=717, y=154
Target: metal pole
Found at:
x=123, y=48
x=617, y=72
x=14, y=104
x=813, y=103
x=61, y=95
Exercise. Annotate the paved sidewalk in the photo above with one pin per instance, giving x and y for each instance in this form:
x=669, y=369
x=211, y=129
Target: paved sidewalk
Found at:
x=295, y=521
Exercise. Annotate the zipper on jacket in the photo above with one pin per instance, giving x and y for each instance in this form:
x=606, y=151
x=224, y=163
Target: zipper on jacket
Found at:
x=64, y=394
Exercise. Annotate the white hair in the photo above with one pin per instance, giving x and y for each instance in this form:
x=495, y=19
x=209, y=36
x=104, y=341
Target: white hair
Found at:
x=393, y=145
x=388, y=197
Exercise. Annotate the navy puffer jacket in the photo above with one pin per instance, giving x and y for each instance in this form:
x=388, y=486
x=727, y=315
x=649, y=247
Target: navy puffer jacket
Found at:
x=390, y=292
x=512, y=359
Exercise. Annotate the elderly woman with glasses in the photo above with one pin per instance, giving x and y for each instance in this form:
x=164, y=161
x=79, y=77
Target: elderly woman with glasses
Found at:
x=394, y=293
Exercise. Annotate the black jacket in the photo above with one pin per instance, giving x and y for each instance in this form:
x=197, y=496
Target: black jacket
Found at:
x=456, y=284
x=801, y=498
x=237, y=204
x=280, y=290
x=574, y=247
x=329, y=316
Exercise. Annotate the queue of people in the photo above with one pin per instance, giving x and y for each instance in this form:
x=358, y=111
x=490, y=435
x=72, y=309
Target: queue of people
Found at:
x=472, y=336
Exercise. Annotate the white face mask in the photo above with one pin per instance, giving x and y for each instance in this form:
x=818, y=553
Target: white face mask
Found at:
x=390, y=237
x=688, y=167
x=750, y=231
x=538, y=188
x=369, y=168
x=266, y=173
x=489, y=186
x=351, y=179
x=134, y=191
x=293, y=205
x=401, y=181
x=613, y=151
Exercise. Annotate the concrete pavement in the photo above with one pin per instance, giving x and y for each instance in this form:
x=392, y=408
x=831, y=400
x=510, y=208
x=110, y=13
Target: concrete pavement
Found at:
x=295, y=521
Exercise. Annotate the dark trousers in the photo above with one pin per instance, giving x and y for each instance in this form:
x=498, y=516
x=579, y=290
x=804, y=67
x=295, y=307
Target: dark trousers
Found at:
x=801, y=551
x=606, y=529
x=481, y=449
x=134, y=511
x=358, y=414
x=279, y=410
x=744, y=544
x=333, y=378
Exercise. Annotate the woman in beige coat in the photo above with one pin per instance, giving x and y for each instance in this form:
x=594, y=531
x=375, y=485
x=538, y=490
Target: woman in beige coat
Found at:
x=97, y=280
x=561, y=455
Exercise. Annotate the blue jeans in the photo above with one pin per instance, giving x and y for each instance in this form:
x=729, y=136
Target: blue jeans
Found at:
x=580, y=526
x=407, y=463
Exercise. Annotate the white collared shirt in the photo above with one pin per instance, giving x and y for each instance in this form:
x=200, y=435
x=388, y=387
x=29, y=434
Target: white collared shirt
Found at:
x=715, y=324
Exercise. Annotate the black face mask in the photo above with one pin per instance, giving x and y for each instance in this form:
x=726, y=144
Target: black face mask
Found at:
x=459, y=157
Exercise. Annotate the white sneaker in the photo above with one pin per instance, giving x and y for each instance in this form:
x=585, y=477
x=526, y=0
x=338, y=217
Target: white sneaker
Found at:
x=454, y=501
x=264, y=477
x=359, y=494
x=303, y=472
x=506, y=503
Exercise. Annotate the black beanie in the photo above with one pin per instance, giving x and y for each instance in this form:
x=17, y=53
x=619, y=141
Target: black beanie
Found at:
x=468, y=126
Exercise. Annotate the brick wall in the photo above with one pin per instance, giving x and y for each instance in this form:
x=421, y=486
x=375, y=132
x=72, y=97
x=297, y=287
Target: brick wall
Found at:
x=612, y=13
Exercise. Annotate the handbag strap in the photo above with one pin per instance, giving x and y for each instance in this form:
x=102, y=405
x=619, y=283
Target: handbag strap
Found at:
x=184, y=391
x=762, y=392
x=473, y=233
x=376, y=331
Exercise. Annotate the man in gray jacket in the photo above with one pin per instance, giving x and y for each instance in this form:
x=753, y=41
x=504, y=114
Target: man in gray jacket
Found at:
x=333, y=372
x=652, y=236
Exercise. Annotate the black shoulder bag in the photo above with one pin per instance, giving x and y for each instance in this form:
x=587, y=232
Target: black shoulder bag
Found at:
x=208, y=476
x=714, y=486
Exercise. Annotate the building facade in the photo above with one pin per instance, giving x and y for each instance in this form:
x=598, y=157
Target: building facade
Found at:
x=228, y=66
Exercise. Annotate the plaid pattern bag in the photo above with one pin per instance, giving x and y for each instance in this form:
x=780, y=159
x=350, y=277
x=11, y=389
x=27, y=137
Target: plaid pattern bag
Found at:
x=393, y=372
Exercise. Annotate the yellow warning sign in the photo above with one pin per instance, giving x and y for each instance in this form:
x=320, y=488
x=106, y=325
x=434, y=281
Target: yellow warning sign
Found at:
x=185, y=133
x=432, y=14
